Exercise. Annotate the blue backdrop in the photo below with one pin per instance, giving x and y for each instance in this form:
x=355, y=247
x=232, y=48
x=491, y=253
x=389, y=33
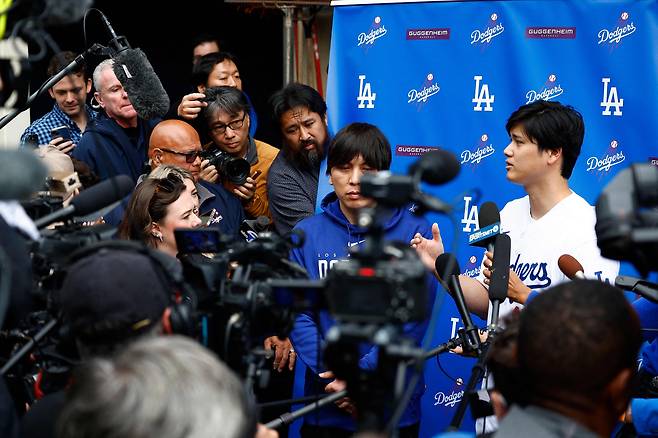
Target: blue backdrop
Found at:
x=448, y=74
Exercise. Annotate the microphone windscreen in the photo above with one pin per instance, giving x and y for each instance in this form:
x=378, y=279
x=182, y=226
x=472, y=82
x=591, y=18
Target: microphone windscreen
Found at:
x=436, y=167
x=446, y=265
x=569, y=266
x=488, y=215
x=499, y=280
x=102, y=194
x=21, y=174
x=142, y=85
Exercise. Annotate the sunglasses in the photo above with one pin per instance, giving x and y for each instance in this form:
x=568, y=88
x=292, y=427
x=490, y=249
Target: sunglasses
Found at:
x=190, y=157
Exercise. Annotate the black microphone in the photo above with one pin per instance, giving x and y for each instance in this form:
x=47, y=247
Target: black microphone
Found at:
x=134, y=71
x=499, y=281
x=489, y=227
x=251, y=227
x=436, y=167
x=92, y=199
x=645, y=289
x=447, y=267
x=21, y=174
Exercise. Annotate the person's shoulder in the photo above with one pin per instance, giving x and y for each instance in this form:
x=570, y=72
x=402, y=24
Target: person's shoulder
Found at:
x=220, y=191
x=266, y=151
x=312, y=222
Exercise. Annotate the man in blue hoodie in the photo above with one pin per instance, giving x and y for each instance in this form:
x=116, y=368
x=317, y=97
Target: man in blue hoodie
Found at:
x=356, y=149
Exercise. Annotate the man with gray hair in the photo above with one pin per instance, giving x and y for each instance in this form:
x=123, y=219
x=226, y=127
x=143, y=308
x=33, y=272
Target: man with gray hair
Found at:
x=166, y=387
x=117, y=142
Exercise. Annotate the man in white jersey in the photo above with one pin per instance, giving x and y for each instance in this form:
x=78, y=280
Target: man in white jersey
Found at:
x=549, y=221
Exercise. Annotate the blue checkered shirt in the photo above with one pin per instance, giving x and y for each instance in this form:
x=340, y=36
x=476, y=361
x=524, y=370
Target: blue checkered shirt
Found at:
x=53, y=119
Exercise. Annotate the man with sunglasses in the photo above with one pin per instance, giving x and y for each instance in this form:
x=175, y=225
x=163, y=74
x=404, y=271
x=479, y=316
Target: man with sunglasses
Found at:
x=176, y=143
x=228, y=121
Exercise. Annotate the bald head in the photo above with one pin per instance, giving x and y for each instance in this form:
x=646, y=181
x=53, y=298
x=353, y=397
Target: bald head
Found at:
x=176, y=143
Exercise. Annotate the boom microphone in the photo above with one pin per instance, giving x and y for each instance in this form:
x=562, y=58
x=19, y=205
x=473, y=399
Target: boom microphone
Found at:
x=142, y=85
x=93, y=199
x=134, y=71
x=436, y=167
x=571, y=267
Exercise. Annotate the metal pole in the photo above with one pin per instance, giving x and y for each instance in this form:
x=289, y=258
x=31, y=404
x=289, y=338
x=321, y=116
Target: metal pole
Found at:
x=288, y=59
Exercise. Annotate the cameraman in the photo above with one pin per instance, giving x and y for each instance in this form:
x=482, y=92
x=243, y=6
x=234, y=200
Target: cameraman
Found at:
x=108, y=299
x=358, y=148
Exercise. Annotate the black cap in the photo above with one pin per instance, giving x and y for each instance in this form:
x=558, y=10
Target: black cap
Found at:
x=113, y=294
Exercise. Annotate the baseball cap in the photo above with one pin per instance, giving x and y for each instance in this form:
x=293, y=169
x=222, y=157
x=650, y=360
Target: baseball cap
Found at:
x=113, y=294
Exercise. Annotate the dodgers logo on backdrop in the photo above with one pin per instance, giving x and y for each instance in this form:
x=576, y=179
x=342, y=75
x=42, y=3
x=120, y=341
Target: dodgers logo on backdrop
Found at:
x=376, y=31
x=492, y=30
x=623, y=29
x=482, y=95
x=427, y=90
x=550, y=90
x=610, y=99
x=483, y=150
x=612, y=157
x=470, y=219
x=365, y=94
x=448, y=399
x=472, y=267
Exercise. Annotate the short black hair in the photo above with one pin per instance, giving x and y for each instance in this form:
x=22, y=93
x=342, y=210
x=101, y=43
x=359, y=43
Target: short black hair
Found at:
x=575, y=338
x=360, y=139
x=552, y=126
x=62, y=59
x=206, y=64
x=228, y=99
x=294, y=95
x=206, y=38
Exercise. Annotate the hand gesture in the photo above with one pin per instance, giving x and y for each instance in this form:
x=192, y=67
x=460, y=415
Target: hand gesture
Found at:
x=283, y=352
x=428, y=250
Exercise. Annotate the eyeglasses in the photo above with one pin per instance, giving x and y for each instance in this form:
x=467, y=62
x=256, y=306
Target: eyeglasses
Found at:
x=235, y=124
x=190, y=157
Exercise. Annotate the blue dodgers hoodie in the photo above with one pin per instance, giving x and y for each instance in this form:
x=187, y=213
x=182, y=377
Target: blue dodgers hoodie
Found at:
x=328, y=237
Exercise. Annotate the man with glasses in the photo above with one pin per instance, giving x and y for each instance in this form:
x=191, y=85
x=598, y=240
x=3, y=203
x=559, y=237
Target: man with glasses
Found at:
x=176, y=143
x=227, y=118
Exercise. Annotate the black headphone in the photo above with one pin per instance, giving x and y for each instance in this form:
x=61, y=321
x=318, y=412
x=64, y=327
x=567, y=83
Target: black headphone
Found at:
x=180, y=316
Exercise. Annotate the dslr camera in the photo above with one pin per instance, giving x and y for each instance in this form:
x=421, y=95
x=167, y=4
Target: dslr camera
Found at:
x=235, y=170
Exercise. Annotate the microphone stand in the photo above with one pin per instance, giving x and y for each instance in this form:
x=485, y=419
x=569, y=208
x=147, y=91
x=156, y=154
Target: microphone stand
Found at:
x=77, y=62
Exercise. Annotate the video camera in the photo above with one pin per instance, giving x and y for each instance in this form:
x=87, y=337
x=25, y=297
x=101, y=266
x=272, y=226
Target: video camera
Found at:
x=627, y=217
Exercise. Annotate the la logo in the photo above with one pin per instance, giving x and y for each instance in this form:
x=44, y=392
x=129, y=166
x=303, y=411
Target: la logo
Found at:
x=482, y=96
x=610, y=99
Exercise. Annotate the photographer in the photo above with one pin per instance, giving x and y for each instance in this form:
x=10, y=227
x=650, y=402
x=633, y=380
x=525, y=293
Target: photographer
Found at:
x=228, y=120
x=358, y=148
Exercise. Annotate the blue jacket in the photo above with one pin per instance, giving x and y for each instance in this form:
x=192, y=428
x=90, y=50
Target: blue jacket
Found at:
x=108, y=150
x=328, y=236
x=229, y=208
